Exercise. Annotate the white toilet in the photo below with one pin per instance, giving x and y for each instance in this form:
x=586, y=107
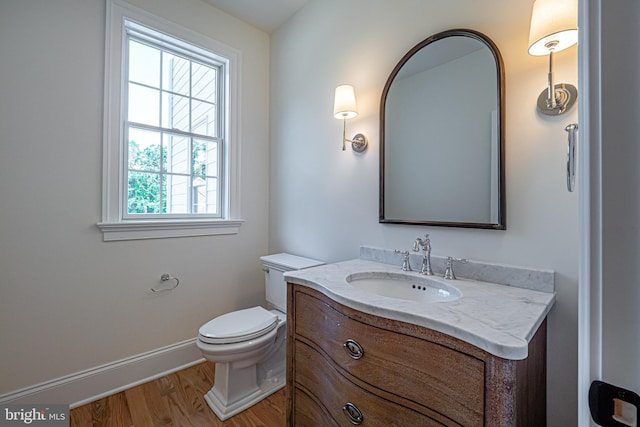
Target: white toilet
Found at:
x=248, y=346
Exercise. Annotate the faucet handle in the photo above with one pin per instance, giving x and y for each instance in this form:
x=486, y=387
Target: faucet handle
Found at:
x=406, y=266
x=448, y=272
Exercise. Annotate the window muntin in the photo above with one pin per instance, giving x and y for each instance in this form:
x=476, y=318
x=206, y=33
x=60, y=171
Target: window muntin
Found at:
x=172, y=128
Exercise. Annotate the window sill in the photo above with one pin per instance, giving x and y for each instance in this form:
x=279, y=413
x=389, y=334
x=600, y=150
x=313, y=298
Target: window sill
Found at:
x=136, y=230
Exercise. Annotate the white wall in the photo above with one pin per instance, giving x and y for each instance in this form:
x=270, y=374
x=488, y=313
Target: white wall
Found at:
x=324, y=202
x=69, y=301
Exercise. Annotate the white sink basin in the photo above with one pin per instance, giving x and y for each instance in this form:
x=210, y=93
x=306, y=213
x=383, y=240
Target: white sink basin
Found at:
x=404, y=286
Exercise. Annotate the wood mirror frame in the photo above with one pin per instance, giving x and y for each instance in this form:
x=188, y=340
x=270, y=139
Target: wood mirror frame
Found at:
x=418, y=187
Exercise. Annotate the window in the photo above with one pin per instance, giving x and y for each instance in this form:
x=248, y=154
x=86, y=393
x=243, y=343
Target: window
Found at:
x=170, y=155
x=172, y=129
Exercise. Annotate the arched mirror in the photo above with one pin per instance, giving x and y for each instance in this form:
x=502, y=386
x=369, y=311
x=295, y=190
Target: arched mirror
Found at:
x=441, y=135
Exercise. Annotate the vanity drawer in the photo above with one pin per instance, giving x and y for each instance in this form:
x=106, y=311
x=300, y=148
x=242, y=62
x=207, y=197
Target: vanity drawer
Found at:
x=336, y=392
x=309, y=412
x=439, y=378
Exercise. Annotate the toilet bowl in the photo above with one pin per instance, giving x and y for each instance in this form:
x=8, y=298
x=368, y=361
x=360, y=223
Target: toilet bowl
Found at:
x=248, y=345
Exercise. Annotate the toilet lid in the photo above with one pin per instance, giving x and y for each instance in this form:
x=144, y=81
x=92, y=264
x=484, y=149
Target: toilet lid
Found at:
x=237, y=326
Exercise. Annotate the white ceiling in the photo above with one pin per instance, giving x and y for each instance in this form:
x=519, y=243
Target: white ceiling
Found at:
x=267, y=15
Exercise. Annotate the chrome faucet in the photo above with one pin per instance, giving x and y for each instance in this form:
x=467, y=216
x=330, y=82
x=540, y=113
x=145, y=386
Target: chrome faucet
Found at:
x=448, y=271
x=426, y=259
x=406, y=266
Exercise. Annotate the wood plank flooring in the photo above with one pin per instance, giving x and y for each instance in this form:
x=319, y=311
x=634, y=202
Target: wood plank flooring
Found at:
x=175, y=400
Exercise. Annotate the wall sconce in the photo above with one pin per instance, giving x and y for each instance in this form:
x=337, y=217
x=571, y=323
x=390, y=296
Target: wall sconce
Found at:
x=554, y=28
x=344, y=107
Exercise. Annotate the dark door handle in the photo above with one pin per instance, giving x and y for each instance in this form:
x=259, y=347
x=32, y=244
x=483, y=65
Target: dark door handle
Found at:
x=605, y=411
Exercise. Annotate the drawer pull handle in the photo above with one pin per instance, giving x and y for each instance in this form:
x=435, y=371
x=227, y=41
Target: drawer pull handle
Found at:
x=353, y=349
x=353, y=413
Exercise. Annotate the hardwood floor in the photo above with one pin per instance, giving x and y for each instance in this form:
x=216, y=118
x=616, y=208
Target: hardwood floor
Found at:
x=175, y=400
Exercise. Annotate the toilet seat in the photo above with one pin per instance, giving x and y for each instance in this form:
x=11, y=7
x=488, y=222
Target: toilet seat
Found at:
x=238, y=326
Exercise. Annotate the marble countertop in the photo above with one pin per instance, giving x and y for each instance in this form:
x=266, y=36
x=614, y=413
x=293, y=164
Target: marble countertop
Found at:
x=496, y=318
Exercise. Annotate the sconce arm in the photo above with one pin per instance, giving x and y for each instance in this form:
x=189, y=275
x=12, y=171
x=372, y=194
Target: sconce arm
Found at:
x=358, y=143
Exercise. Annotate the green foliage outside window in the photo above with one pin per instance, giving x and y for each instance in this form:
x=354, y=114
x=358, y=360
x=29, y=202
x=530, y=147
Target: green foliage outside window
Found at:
x=144, y=195
x=144, y=187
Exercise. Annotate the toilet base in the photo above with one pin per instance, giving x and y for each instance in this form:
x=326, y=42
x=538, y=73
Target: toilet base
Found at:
x=246, y=377
x=224, y=410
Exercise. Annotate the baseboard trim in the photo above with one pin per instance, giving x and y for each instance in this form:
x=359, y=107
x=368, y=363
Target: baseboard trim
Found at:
x=92, y=384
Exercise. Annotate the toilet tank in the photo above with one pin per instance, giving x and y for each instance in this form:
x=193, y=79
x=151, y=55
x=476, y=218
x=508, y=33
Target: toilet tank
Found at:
x=274, y=267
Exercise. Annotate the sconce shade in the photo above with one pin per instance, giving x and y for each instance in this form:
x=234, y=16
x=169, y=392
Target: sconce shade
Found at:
x=344, y=106
x=554, y=26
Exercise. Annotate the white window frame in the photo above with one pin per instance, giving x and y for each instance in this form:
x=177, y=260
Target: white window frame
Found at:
x=115, y=225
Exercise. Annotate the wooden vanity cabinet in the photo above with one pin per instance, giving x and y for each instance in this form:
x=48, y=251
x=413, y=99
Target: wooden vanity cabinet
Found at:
x=346, y=367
